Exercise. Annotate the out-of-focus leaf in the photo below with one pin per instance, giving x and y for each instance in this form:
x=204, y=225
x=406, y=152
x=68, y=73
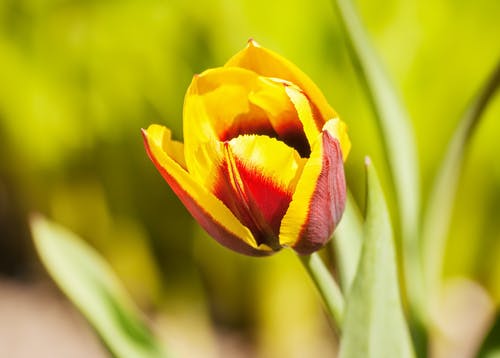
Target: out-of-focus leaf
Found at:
x=374, y=324
x=346, y=243
x=90, y=284
x=491, y=345
x=398, y=138
x=439, y=209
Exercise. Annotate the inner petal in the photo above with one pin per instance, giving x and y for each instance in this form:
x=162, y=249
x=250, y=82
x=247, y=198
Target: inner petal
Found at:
x=269, y=64
x=272, y=97
x=236, y=101
x=256, y=181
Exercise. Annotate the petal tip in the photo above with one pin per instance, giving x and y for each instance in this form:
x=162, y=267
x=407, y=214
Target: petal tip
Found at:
x=144, y=133
x=338, y=129
x=252, y=43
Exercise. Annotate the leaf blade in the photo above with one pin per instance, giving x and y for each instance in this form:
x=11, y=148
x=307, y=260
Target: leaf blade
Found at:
x=439, y=208
x=90, y=284
x=491, y=345
x=346, y=244
x=374, y=324
x=398, y=139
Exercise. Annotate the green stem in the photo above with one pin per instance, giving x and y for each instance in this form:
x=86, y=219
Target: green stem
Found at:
x=399, y=146
x=442, y=198
x=326, y=285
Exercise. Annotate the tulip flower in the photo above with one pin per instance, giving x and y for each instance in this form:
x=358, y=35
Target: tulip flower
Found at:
x=261, y=166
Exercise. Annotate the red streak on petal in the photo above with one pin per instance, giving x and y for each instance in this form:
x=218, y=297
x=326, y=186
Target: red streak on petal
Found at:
x=269, y=199
x=327, y=202
x=257, y=201
x=206, y=220
x=318, y=118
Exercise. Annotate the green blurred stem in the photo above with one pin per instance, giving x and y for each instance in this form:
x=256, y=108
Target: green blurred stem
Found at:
x=399, y=143
x=440, y=207
x=346, y=243
x=326, y=285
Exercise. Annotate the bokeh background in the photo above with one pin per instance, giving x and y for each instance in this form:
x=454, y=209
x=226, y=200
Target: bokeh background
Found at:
x=78, y=79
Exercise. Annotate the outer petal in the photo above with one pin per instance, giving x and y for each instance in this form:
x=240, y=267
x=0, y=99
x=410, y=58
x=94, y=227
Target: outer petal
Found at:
x=209, y=211
x=270, y=64
x=318, y=202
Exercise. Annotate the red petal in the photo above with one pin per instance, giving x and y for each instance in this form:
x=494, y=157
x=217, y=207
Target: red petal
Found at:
x=328, y=200
x=318, y=201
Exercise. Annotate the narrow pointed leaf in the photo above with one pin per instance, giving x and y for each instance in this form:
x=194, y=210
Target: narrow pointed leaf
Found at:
x=90, y=284
x=346, y=243
x=374, y=324
x=398, y=137
x=439, y=209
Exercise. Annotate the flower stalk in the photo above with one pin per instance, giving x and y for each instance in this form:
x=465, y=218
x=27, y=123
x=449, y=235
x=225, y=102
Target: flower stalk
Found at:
x=326, y=286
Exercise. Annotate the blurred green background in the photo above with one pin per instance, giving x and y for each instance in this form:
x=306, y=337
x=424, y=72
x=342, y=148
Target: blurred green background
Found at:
x=80, y=78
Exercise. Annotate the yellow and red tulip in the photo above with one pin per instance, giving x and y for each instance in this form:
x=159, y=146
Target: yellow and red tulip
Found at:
x=261, y=166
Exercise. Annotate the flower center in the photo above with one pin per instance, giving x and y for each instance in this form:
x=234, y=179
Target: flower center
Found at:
x=247, y=123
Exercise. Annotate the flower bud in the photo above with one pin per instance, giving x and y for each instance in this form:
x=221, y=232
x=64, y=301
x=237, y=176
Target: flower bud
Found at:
x=261, y=166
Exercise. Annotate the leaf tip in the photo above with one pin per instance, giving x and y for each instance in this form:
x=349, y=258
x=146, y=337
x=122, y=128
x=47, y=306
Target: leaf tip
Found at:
x=34, y=218
x=36, y=221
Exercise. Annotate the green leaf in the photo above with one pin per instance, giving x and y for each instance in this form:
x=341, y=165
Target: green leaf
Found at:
x=491, y=345
x=374, y=324
x=90, y=284
x=439, y=209
x=346, y=243
x=398, y=138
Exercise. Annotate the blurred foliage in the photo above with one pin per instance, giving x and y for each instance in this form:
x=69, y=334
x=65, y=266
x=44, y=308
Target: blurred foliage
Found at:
x=80, y=78
x=91, y=285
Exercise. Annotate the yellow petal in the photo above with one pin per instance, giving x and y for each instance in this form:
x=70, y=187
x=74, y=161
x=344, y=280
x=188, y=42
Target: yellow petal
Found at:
x=223, y=103
x=217, y=104
x=270, y=64
x=304, y=111
x=273, y=158
x=273, y=98
x=209, y=211
x=216, y=107
x=208, y=159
